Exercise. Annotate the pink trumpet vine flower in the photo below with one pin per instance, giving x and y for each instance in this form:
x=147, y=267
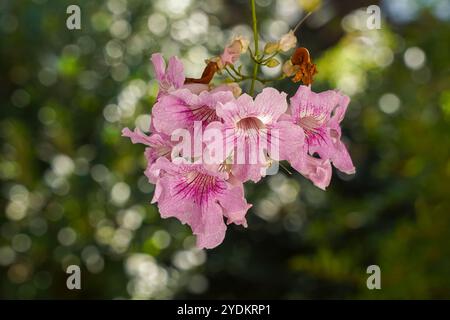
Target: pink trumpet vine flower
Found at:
x=201, y=198
x=252, y=134
x=320, y=115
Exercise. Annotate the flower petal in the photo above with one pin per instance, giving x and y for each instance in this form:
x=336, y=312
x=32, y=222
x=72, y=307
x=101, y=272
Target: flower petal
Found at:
x=137, y=136
x=339, y=109
x=175, y=72
x=235, y=110
x=306, y=103
x=196, y=88
x=317, y=170
x=270, y=104
x=291, y=140
x=246, y=172
x=341, y=158
x=159, y=65
x=234, y=205
x=211, y=232
x=172, y=111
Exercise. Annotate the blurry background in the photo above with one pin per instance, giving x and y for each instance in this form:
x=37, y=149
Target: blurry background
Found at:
x=73, y=190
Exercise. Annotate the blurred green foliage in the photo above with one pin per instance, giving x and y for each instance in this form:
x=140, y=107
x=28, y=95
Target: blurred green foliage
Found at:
x=73, y=190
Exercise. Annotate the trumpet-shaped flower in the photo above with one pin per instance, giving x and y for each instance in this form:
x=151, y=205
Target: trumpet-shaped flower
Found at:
x=199, y=197
x=158, y=145
x=320, y=115
x=181, y=108
x=251, y=132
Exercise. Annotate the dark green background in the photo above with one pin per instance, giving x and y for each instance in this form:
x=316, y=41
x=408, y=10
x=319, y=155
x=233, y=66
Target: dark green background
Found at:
x=65, y=170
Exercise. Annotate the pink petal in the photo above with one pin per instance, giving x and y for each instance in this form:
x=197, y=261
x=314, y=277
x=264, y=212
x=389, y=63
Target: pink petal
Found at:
x=216, y=97
x=234, y=205
x=162, y=165
x=214, y=140
x=230, y=55
x=339, y=110
x=341, y=158
x=196, y=88
x=246, y=172
x=159, y=65
x=306, y=102
x=291, y=140
x=316, y=170
x=171, y=204
x=248, y=160
x=137, y=136
x=211, y=232
x=171, y=112
x=183, y=209
x=181, y=108
x=235, y=110
x=270, y=104
x=322, y=144
x=175, y=72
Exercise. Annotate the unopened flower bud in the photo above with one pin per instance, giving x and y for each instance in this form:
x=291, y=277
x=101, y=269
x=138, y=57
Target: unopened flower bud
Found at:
x=287, y=41
x=272, y=63
x=243, y=42
x=232, y=52
x=310, y=5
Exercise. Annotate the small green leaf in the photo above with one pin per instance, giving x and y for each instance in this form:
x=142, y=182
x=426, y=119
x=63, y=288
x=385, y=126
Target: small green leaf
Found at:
x=271, y=63
x=271, y=47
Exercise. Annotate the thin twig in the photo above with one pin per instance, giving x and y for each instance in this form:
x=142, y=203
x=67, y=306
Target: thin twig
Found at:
x=230, y=74
x=301, y=21
x=252, y=56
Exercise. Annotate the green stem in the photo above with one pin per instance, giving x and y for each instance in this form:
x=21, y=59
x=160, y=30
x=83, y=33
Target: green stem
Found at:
x=255, y=37
x=263, y=81
x=243, y=78
x=230, y=74
x=252, y=56
x=268, y=58
x=237, y=72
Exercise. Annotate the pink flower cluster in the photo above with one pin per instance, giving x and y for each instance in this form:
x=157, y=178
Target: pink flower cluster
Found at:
x=304, y=131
